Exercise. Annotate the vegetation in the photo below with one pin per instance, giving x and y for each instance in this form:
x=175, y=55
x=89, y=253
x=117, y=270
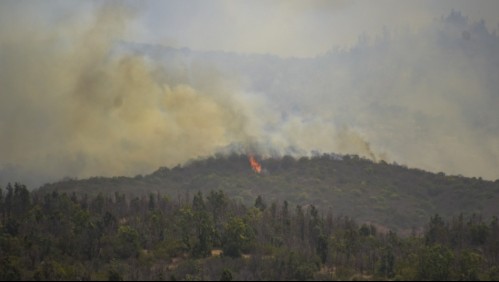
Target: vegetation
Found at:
x=386, y=195
x=56, y=236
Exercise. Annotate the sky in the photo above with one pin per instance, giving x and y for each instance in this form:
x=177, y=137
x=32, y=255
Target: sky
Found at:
x=75, y=103
x=288, y=28
x=292, y=28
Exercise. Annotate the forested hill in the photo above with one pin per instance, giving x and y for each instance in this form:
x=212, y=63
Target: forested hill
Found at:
x=389, y=195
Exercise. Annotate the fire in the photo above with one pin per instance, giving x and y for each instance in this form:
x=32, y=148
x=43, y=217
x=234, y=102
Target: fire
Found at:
x=254, y=164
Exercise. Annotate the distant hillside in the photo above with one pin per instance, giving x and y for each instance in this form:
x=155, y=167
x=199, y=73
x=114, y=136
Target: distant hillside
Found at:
x=385, y=194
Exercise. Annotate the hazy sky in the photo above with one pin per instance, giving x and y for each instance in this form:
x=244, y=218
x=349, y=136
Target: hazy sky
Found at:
x=292, y=27
x=72, y=105
x=286, y=28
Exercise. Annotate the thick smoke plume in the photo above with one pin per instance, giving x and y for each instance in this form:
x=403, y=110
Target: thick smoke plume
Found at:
x=78, y=100
x=427, y=98
x=422, y=97
x=71, y=104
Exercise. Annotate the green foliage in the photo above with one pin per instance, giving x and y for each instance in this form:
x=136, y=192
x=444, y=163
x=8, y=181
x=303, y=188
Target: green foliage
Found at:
x=226, y=275
x=479, y=234
x=237, y=236
x=260, y=204
x=205, y=234
x=115, y=272
x=391, y=195
x=437, y=231
x=387, y=263
x=127, y=242
x=469, y=266
x=9, y=271
x=54, y=236
x=494, y=273
x=435, y=263
x=50, y=270
x=217, y=204
x=323, y=248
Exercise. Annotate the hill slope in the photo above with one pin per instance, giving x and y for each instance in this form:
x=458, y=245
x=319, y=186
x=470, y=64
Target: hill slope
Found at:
x=386, y=194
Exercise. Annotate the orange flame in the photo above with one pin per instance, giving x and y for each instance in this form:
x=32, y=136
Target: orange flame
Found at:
x=254, y=164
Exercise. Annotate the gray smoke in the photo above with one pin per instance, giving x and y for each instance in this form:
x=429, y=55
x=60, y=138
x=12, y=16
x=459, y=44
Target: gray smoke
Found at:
x=73, y=105
x=426, y=98
x=77, y=100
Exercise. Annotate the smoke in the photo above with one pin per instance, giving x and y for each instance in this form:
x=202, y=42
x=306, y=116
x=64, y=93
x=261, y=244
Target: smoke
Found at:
x=77, y=100
x=72, y=104
x=423, y=97
x=426, y=98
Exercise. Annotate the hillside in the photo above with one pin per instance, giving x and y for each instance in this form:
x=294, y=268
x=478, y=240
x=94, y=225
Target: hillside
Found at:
x=388, y=195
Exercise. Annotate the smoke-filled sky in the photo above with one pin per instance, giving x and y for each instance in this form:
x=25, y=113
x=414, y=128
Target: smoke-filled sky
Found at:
x=293, y=27
x=93, y=88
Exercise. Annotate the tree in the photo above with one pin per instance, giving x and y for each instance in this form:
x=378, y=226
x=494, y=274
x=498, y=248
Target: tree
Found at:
x=217, y=203
x=205, y=233
x=260, y=204
x=323, y=247
x=205, y=229
x=152, y=202
x=184, y=221
x=286, y=222
x=9, y=200
x=9, y=271
x=469, y=266
x=300, y=267
x=97, y=204
x=21, y=199
x=198, y=202
x=237, y=235
x=437, y=231
x=226, y=275
x=1, y=206
x=300, y=218
x=115, y=271
x=435, y=263
x=127, y=243
x=387, y=263
x=479, y=233
x=50, y=270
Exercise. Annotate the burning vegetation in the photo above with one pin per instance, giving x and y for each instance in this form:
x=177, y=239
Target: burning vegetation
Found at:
x=254, y=164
